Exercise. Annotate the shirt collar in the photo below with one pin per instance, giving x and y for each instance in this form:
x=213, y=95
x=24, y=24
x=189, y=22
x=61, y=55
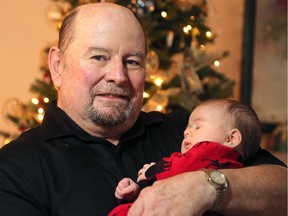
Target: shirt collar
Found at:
x=58, y=124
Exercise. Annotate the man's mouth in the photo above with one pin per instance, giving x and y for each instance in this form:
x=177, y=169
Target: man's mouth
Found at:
x=113, y=96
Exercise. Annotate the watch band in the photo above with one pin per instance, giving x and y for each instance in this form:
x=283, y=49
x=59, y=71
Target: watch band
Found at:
x=220, y=197
x=219, y=182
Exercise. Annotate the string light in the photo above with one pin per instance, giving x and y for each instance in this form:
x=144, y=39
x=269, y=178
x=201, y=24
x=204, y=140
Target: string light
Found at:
x=6, y=141
x=146, y=95
x=40, y=110
x=158, y=81
x=46, y=100
x=185, y=30
x=159, y=107
x=217, y=63
x=208, y=34
x=202, y=47
x=59, y=25
x=164, y=14
x=151, y=8
x=40, y=117
x=35, y=101
x=195, y=31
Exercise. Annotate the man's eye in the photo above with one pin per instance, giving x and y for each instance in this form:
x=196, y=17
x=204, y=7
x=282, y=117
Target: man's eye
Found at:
x=99, y=57
x=133, y=64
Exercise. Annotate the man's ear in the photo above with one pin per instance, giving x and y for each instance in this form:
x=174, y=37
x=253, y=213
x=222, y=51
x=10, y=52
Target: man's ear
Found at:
x=55, y=66
x=234, y=138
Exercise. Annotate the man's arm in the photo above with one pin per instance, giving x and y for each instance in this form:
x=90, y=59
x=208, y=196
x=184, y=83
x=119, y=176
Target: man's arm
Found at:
x=258, y=190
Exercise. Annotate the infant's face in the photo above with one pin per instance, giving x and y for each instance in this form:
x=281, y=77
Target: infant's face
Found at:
x=206, y=123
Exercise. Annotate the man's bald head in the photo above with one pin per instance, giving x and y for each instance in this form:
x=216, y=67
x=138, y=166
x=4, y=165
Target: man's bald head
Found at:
x=101, y=10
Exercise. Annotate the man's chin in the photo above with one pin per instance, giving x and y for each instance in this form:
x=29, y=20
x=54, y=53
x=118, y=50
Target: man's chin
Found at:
x=111, y=104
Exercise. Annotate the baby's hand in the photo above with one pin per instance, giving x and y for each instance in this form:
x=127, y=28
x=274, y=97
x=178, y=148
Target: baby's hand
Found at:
x=127, y=189
x=141, y=173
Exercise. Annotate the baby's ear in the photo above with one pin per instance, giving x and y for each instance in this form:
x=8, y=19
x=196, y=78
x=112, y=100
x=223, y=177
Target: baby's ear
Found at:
x=234, y=138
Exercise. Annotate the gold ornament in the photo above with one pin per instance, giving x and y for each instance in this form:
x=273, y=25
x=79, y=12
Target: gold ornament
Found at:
x=189, y=78
x=152, y=65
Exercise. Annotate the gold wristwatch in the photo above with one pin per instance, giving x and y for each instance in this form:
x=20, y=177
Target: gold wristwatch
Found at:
x=218, y=180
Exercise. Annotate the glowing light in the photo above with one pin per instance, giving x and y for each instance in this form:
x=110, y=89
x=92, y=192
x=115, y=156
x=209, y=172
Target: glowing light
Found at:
x=35, y=101
x=208, y=34
x=185, y=30
x=152, y=76
x=6, y=141
x=40, y=117
x=146, y=95
x=46, y=100
x=217, y=63
x=59, y=25
x=192, y=18
x=158, y=81
x=134, y=10
x=159, y=107
x=40, y=110
x=189, y=27
x=202, y=47
x=164, y=14
x=151, y=8
x=195, y=31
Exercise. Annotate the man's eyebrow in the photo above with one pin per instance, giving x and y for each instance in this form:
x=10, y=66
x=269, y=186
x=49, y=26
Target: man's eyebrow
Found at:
x=140, y=54
x=102, y=49
x=136, y=53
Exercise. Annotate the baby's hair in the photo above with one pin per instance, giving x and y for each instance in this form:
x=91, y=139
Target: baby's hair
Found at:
x=245, y=119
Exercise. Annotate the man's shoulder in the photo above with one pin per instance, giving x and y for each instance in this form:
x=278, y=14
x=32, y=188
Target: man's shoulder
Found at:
x=158, y=117
x=24, y=145
x=264, y=157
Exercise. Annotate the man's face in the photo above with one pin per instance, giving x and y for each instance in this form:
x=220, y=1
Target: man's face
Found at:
x=103, y=71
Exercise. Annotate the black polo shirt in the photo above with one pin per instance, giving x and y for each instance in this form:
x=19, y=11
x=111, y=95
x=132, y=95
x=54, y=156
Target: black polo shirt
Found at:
x=58, y=169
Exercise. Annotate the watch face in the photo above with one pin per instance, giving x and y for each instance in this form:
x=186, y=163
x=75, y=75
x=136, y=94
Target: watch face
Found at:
x=218, y=177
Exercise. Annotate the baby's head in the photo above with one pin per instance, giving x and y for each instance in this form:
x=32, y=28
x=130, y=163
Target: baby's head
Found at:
x=224, y=121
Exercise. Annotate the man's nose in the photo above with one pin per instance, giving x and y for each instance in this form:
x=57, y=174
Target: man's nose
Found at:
x=116, y=72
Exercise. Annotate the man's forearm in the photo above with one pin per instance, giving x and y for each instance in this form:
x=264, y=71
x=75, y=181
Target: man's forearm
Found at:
x=258, y=190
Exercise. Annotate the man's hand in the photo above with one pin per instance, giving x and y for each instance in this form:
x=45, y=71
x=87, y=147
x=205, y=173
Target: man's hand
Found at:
x=181, y=195
x=127, y=189
x=257, y=190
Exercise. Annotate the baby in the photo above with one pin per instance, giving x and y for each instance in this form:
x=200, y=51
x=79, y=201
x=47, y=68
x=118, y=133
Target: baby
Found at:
x=221, y=133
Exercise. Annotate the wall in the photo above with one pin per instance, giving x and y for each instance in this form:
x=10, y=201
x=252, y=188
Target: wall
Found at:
x=226, y=20
x=25, y=32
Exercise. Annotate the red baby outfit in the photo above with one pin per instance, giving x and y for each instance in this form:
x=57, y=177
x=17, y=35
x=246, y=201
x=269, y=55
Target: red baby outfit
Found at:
x=203, y=155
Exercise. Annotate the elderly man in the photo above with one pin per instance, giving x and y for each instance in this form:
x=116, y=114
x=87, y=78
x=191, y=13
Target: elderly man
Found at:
x=96, y=134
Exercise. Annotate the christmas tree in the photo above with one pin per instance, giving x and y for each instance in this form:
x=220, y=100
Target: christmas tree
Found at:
x=180, y=72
